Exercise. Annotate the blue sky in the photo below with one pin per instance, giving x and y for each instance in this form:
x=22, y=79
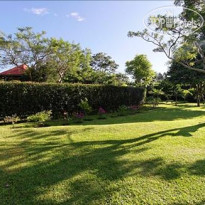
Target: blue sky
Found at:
x=101, y=26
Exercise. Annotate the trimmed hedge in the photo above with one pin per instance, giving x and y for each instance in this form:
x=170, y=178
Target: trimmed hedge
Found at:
x=28, y=98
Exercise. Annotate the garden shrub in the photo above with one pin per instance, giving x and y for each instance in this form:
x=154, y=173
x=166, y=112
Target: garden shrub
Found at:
x=78, y=117
x=153, y=100
x=11, y=119
x=84, y=105
x=122, y=110
x=25, y=99
x=40, y=117
x=101, y=113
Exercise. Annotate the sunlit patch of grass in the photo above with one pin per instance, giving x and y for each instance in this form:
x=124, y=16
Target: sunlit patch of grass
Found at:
x=153, y=157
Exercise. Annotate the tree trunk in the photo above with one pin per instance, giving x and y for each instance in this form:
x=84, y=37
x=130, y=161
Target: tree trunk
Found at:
x=198, y=101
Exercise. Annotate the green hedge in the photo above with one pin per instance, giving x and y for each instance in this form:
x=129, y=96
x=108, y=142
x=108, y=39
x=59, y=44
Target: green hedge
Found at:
x=28, y=98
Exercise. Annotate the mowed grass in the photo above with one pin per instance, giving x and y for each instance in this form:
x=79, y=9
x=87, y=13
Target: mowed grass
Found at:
x=153, y=157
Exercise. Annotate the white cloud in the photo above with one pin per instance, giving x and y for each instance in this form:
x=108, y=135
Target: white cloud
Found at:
x=37, y=11
x=80, y=18
x=76, y=16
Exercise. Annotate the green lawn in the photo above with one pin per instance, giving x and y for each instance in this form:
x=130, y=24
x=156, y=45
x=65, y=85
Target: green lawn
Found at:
x=153, y=157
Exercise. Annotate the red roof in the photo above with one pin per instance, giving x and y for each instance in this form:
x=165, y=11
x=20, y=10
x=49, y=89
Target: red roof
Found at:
x=19, y=70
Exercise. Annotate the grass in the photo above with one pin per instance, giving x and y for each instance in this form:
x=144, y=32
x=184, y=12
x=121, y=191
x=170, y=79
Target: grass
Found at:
x=153, y=157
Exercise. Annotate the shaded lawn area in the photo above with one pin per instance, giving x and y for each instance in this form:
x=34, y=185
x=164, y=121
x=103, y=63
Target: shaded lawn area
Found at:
x=153, y=157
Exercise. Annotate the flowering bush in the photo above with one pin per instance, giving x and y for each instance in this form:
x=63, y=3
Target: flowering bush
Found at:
x=134, y=108
x=78, y=116
x=101, y=113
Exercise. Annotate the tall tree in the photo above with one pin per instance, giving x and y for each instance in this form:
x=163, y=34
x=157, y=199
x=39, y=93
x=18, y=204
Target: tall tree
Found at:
x=96, y=69
x=25, y=47
x=64, y=57
x=103, y=63
x=82, y=72
x=141, y=69
x=179, y=43
x=178, y=74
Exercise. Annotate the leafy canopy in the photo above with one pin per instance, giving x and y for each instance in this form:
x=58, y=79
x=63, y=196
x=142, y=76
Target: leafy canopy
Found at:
x=141, y=69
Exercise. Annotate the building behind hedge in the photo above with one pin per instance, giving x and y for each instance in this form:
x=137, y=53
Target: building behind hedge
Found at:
x=16, y=73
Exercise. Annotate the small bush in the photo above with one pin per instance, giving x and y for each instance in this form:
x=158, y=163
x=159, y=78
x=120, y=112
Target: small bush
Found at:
x=154, y=101
x=122, y=110
x=84, y=105
x=134, y=108
x=11, y=119
x=40, y=117
x=78, y=117
x=101, y=113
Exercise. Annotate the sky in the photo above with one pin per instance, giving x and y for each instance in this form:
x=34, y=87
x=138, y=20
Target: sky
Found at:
x=101, y=26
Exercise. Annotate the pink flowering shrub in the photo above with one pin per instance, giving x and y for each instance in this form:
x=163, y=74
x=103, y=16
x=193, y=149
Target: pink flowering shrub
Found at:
x=101, y=111
x=78, y=116
x=134, y=107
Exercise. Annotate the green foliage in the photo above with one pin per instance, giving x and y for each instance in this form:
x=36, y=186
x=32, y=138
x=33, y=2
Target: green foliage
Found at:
x=24, y=47
x=103, y=63
x=155, y=95
x=40, y=117
x=44, y=73
x=167, y=88
x=154, y=101
x=78, y=117
x=101, y=113
x=186, y=93
x=84, y=105
x=64, y=57
x=141, y=69
x=196, y=5
x=29, y=98
x=183, y=44
x=122, y=110
x=187, y=52
x=178, y=74
x=90, y=76
x=56, y=60
x=156, y=92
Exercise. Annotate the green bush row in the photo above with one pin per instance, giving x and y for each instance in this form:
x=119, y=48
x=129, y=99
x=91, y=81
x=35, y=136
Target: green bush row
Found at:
x=25, y=99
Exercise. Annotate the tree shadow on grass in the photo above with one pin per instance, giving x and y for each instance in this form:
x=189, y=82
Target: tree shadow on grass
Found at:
x=198, y=168
x=86, y=169
x=157, y=114
x=202, y=202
